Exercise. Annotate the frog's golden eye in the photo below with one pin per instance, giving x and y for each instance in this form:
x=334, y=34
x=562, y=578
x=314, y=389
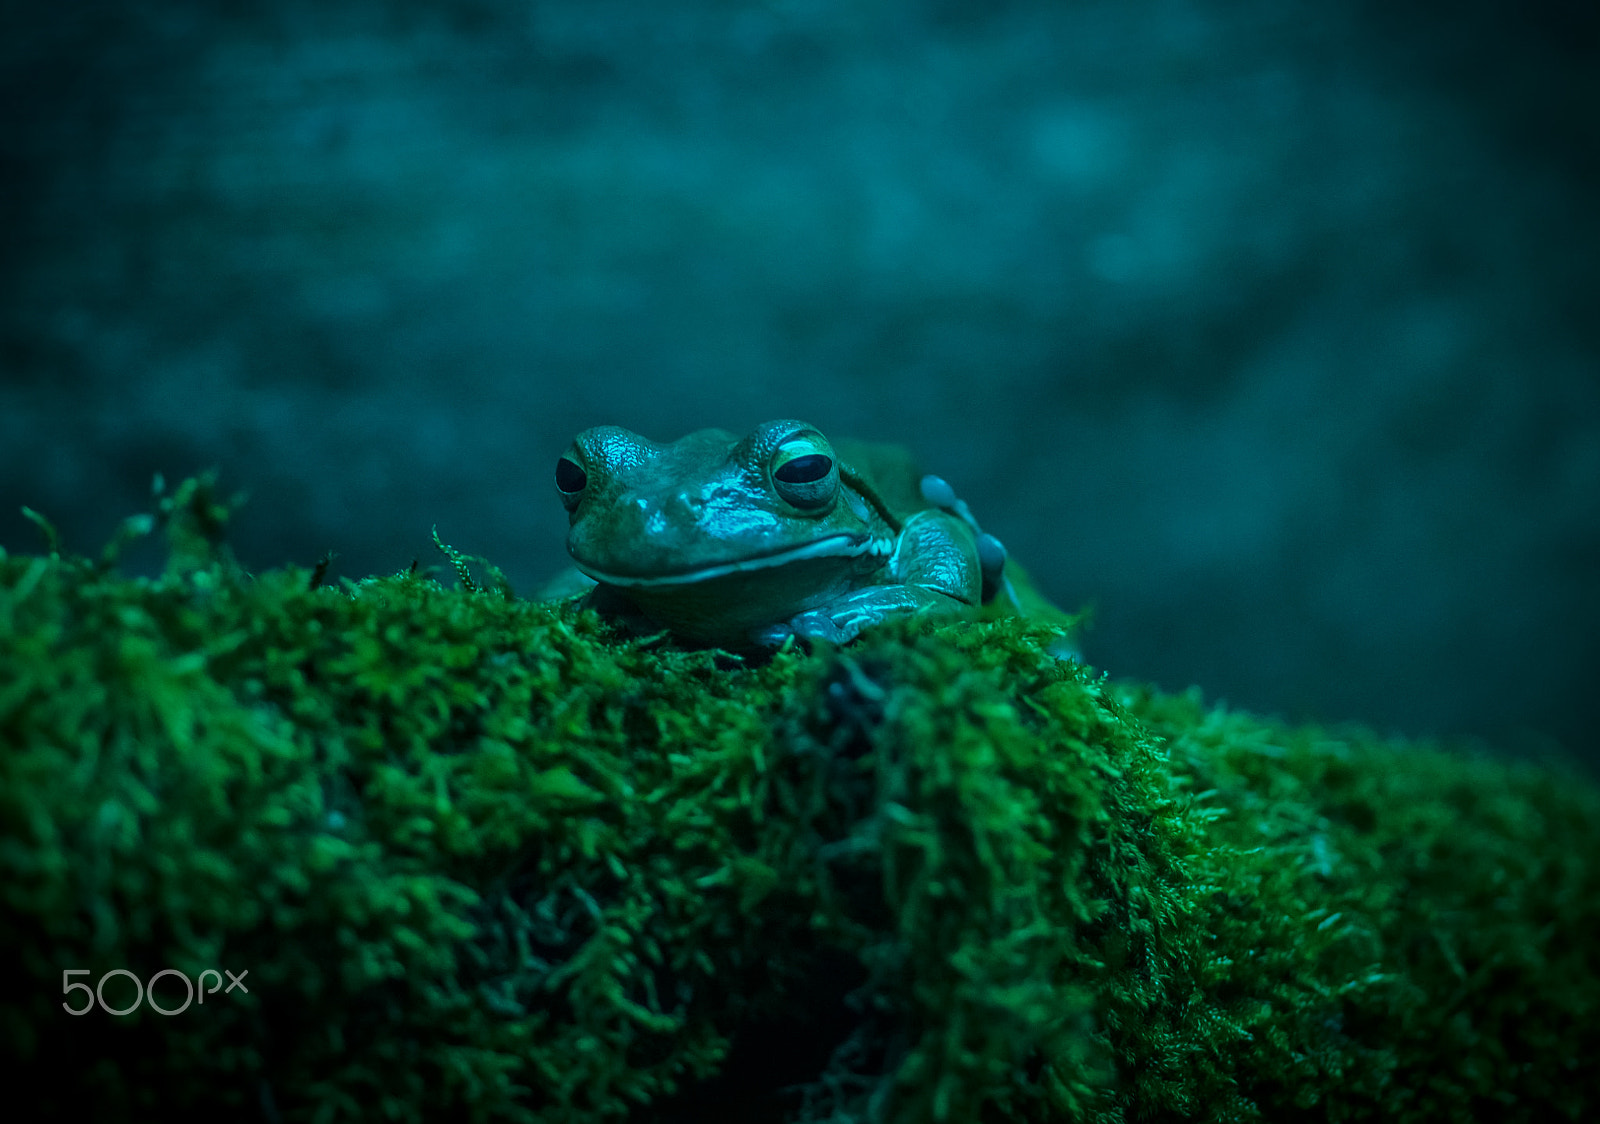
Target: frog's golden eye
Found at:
x=803, y=472
x=571, y=480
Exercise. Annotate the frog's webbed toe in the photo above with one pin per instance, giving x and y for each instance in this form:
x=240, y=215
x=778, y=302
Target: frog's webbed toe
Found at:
x=991, y=553
x=818, y=625
x=814, y=624
x=771, y=636
x=992, y=562
x=937, y=491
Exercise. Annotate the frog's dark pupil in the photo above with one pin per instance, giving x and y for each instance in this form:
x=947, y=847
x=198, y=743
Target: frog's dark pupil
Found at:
x=569, y=477
x=804, y=470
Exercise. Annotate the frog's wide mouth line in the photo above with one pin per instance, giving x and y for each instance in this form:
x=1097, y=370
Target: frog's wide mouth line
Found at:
x=845, y=546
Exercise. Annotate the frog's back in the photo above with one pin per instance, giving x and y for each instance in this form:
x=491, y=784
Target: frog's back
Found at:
x=891, y=469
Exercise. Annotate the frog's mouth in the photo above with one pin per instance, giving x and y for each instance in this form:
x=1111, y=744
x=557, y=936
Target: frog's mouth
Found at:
x=834, y=546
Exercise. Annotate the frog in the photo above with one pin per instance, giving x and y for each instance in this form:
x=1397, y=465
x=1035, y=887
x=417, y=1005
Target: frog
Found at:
x=746, y=543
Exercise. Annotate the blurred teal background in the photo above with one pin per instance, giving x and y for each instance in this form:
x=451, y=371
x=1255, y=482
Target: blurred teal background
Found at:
x=1270, y=328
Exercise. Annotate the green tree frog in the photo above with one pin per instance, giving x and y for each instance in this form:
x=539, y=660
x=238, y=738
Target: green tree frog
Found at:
x=742, y=542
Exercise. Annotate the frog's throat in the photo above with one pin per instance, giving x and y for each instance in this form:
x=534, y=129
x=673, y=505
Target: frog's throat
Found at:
x=834, y=546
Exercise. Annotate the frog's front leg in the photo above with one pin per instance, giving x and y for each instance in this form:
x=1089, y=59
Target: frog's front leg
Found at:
x=934, y=568
x=842, y=620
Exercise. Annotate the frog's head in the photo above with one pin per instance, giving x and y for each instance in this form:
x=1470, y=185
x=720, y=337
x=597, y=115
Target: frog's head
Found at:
x=648, y=516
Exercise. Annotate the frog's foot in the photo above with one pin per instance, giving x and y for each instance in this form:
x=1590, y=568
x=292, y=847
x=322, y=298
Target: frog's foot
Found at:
x=991, y=553
x=809, y=626
x=841, y=621
x=818, y=625
x=772, y=636
x=992, y=563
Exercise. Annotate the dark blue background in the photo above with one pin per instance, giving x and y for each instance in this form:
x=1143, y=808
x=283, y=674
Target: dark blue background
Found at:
x=1270, y=328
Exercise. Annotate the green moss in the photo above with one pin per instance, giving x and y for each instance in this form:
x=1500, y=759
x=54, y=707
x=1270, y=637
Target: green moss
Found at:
x=483, y=861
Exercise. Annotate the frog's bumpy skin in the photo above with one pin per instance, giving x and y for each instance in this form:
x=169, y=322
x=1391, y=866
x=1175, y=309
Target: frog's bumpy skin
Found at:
x=991, y=552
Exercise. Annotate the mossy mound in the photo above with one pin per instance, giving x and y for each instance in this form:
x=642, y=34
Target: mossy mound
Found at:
x=481, y=860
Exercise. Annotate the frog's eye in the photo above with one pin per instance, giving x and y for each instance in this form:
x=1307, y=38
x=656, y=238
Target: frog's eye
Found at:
x=804, y=470
x=803, y=473
x=571, y=480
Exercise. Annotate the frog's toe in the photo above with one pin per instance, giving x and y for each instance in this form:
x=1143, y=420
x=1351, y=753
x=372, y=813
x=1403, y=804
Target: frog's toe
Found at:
x=772, y=636
x=992, y=562
x=991, y=554
x=816, y=625
x=937, y=492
